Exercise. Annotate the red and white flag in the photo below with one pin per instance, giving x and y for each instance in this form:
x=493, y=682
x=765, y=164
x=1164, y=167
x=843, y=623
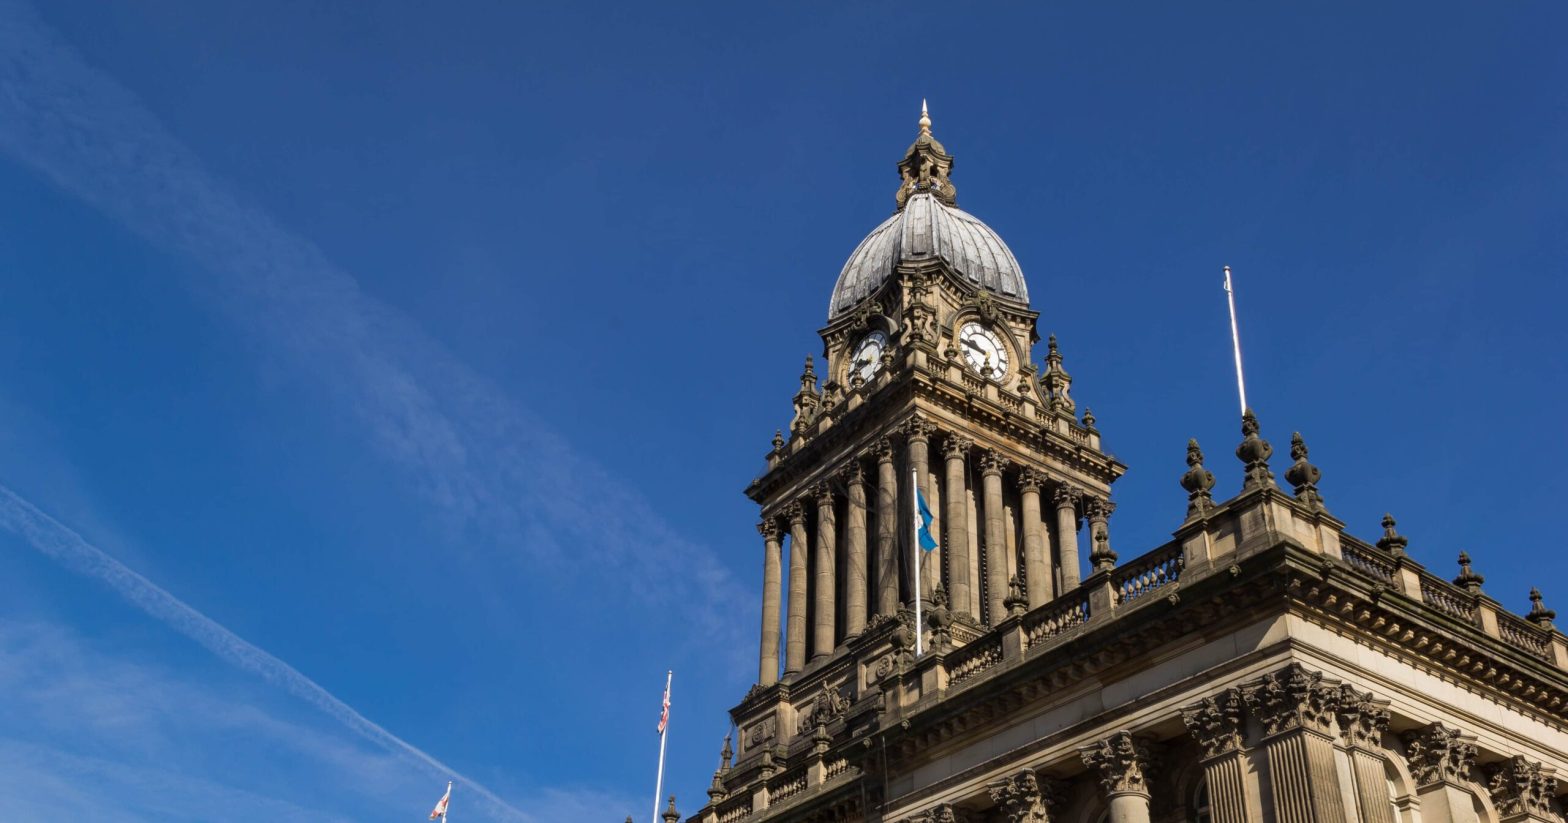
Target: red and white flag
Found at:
x=664, y=716
x=439, y=812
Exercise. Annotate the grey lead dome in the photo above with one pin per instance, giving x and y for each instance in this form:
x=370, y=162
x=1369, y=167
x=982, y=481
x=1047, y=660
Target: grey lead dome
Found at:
x=925, y=228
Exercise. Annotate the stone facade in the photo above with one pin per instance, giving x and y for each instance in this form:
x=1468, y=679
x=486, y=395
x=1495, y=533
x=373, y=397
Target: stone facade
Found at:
x=1264, y=665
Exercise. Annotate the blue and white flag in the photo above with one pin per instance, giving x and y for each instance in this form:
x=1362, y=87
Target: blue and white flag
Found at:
x=927, y=542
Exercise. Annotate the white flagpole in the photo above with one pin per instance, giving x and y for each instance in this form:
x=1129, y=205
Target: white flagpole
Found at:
x=448, y=802
x=914, y=545
x=658, y=785
x=1235, y=340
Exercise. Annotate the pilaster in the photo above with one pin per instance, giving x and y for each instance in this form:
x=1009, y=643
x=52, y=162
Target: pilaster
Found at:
x=1296, y=710
x=1218, y=724
x=1362, y=721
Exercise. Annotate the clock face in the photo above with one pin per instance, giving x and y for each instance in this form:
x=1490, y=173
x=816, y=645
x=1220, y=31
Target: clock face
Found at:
x=867, y=357
x=983, y=350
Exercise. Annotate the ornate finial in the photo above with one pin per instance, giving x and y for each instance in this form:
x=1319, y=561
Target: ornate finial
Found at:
x=925, y=167
x=726, y=754
x=778, y=439
x=1015, y=601
x=1392, y=542
x=1467, y=576
x=1539, y=614
x=1254, y=453
x=1197, y=481
x=1088, y=419
x=1055, y=382
x=1302, y=474
x=670, y=814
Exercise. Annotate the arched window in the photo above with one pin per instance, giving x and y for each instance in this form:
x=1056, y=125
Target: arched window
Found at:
x=1201, y=812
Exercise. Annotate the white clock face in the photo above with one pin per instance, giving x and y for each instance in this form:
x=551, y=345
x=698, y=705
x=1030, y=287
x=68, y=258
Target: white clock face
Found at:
x=983, y=350
x=868, y=356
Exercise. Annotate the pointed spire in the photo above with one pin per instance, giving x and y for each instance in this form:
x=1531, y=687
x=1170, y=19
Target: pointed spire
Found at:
x=925, y=167
x=1539, y=614
x=1197, y=481
x=1467, y=578
x=1392, y=541
x=1254, y=453
x=807, y=400
x=726, y=754
x=1302, y=474
x=1056, y=382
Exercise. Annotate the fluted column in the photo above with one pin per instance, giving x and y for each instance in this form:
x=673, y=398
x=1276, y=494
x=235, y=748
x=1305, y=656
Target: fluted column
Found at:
x=772, y=580
x=1440, y=761
x=991, y=466
x=1122, y=764
x=826, y=560
x=1066, y=499
x=1217, y=724
x=1037, y=566
x=1098, y=511
x=795, y=641
x=887, y=530
x=855, y=562
x=1362, y=721
x=956, y=521
x=1296, y=709
x=918, y=433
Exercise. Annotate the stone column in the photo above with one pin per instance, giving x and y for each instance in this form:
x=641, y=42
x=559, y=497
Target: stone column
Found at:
x=1362, y=721
x=1026, y=797
x=825, y=561
x=956, y=521
x=855, y=565
x=887, y=530
x=795, y=641
x=1066, y=499
x=1037, y=565
x=1440, y=762
x=1122, y=764
x=918, y=433
x=991, y=466
x=768, y=659
x=1218, y=726
x=1296, y=709
x=1101, y=558
x=1522, y=790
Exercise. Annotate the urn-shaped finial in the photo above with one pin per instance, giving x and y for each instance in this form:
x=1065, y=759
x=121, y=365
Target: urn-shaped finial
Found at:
x=670, y=814
x=1302, y=474
x=1467, y=576
x=1539, y=614
x=1254, y=453
x=1198, y=481
x=1392, y=541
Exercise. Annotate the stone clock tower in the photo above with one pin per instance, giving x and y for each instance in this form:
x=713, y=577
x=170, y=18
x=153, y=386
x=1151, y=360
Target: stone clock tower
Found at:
x=1263, y=665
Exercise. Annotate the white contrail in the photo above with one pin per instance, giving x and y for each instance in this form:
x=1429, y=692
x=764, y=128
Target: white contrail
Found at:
x=61, y=543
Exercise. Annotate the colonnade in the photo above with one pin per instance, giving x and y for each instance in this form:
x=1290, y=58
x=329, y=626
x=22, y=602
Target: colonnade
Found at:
x=850, y=537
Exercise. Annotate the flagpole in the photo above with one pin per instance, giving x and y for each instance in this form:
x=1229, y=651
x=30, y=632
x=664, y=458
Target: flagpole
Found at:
x=658, y=785
x=914, y=546
x=1235, y=340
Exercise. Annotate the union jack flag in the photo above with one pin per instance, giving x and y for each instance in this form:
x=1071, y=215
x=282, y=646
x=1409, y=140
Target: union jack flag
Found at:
x=440, y=810
x=664, y=715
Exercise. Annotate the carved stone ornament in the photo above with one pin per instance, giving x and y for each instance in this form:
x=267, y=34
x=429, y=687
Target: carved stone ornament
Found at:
x=925, y=167
x=1392, y=541
x=769, y=529
x=992, y=462
x=795, y=513
x=1065, y=495
x=1030, y=480
x=944, y=813
x=955, y=446
x=1302, y=475
x=1254, y=453
x=1520, y=787
x=1362, y=718
x=883, y=449
x=918, y=428
x=1438, y=754
x=1025, y=797
x=1217, y=723
x=759, y=733
x=1293, y=698
x=1121, y=762
x=829, y=705
x=1198, y=481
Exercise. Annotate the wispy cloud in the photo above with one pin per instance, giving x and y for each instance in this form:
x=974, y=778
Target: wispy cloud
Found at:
x=486, y=463
x=68, y=548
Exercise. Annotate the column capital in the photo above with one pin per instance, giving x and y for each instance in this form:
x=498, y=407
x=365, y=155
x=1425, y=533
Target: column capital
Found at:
x=955, y=445
x=944, y=813
x=1064, y=495
x=769, y=528
x=992, y=462
x=1030, y=479
x=1097, y=508
x=1026, y=797
x=854, y=472
x=1438, y=754
x=1122, y=762
x=918, y=428
x=1522, y=787
x=883, y=449
x=1293, y=698
x=1362, y=718
x=795, y=513
x=822, y=493
x=1217, y=723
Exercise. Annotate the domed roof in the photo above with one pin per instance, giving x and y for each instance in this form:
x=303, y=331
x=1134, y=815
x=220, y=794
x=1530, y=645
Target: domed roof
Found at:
x=927, y=228
x=928, y=225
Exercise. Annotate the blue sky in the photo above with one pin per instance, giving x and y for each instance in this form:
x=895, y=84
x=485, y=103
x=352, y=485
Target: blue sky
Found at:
x=377, y=387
